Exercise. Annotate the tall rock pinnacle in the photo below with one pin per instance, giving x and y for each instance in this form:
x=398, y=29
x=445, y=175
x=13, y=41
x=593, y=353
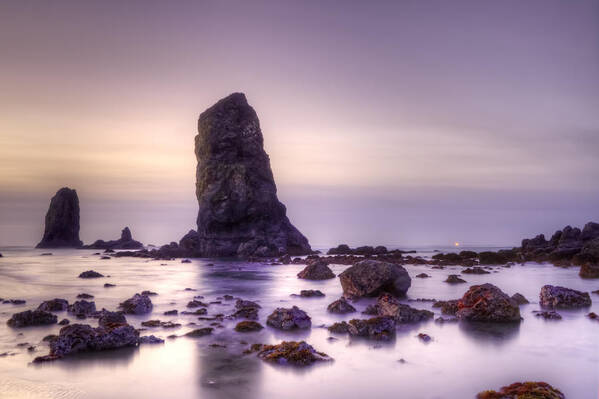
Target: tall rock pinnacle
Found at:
x=240, y=214
x=62, y=221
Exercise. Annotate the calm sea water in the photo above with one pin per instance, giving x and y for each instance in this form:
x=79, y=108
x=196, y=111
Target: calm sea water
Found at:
x=458, y=363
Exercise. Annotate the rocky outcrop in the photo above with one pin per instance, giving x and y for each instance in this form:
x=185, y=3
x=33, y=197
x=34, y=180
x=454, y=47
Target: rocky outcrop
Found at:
x=371, y=278
x=83, y=338
x=316, y=270
x=387, y=305
x=447, y=307
x=520, y=299
x=524, y=390
x=366, y=250
x=248, y=326
x=289, y=319
x=31, y=318
x=54, y=305
x=137, y=304
x=589, y=271
x=340, y=306
x=62, y=221
x=292, y=353
x=239, y=213
x=569, y=244
x=107, y=318
x=454, y=279
x=380, y=328
x=82, y=308
x=90, y=274
x=487, y=303
x=125, y=242
x=561, y=297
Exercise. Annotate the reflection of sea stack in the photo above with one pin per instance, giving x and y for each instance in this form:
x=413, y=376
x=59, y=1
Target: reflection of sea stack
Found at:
x=239, y=211
x=62, y=221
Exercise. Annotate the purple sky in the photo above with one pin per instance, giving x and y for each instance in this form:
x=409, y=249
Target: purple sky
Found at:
x=400, y=123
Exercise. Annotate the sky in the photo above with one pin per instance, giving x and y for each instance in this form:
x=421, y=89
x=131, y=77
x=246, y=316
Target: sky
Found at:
x=404, y=123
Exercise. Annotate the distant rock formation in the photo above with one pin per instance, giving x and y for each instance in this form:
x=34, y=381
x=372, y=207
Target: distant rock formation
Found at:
x=125, y=242
x=62, y=221
x=239, y=212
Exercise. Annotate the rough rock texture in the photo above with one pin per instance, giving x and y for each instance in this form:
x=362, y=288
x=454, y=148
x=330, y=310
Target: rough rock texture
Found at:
x=570, y=244
x=524, y=390
x=487, y=303
x=447, y=307
x=125, y=242
x=316, y=270
x=31, y=318
x=388, y=305
x=239, y=214
x=561, y=297
x=150, y=339
x=289, y=319
x=62, y=221
x=341, y=306
x=380, y=328
x=371, y=278
x=589, y=271
x=292, y=353
x=107, y=318
x=82, y=338
x=90, y=274
x=137, y=304
x=82, y=308
x=248, y=326
x=54, y=305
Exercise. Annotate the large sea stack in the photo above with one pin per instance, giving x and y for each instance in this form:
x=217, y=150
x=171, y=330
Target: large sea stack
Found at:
x=240, y=214
x=62, y=221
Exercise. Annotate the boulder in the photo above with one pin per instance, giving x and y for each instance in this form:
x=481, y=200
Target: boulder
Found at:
x=83, y=338
x=150, y=339
x=31, y=318
x=90, y=274
x=137, y=304
x=387, y=305
x=380, y=328
x=454, y=279
x=54, y=305
x=447, y=307
x=82, y=308
x=341, y=249
x=371, y=278
x=475, y=270
x=422, y=275
x=292, y=353
x=125, y=242
x=107, y=318
x=487, y=303
x=523, y=390
x=311, y=293
x=239, y=212
x=520, y=299
x=316, y=270
x=589, y=271
x=340, y=306
x=289, y=319
x=62, y=221
x=248, y=326
x=339, y=328
x=561, y=297
x=200, y=332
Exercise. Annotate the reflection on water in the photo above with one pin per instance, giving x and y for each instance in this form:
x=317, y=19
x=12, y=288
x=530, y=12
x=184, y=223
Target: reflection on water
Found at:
x=461, y=360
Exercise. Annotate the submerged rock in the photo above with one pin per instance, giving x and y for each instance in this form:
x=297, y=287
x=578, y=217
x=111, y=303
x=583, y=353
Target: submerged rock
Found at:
x=31, y=318
x=487, y=303
x=387, y=305
x=340, y=306
x=523, y=390
x=239, y=214
x=561, y=297
x=90, y=274
x=82, y=308
x=248, y=326
x=200, y=332
x=107, y=318
x=316, y=270
x=548, y=314
x=381, y=328
x=137, y=304
x=371, y=278
x=289, y=319
x=62, y=221
x=589, y=271
x=447, y=307
x=292, y=353
x=125, y=242
x=475, y=270
x=422, y=275
x=454, y=279
x=54, y=305
x=520, y=299
x=311, y=293
x=150, y=339
x=82, y=338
